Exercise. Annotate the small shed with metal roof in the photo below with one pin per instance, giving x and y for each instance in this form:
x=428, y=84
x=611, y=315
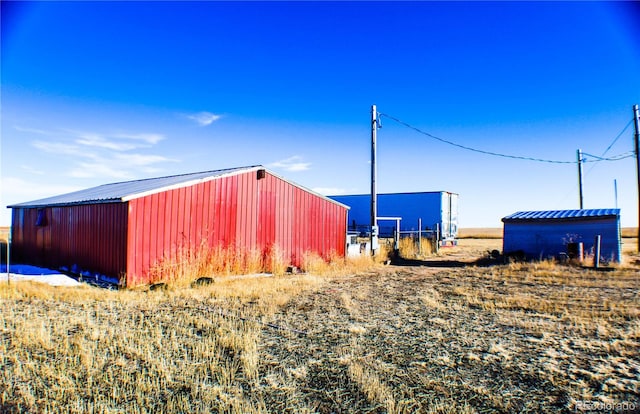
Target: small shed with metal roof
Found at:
x=543, y=234
x=120, y=231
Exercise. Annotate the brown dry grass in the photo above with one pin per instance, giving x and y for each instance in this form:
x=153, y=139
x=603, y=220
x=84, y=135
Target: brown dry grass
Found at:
x=412, y=248
x=208, y=261
x=4, y=234
x=630, y=232
x=4, y=239
x=443, y=337
x=480, y=233
x=218, y=261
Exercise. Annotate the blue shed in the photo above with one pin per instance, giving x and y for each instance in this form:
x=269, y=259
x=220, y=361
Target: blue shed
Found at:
x=542, y=234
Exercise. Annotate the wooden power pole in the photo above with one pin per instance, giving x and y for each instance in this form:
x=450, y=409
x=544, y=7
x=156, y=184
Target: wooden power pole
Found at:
x=579, y=155
x=374, y=177
x=636, y=123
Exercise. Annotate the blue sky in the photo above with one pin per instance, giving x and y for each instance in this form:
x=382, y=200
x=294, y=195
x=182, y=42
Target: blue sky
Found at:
x=100, y=92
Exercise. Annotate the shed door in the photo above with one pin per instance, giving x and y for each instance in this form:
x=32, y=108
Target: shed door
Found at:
x=453, y=217
x=445, y=216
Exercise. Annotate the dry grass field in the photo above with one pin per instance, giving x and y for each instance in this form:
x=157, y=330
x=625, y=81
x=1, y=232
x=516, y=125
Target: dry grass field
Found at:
x=445, y=334
x=4, y=234
x=4, y=238
x=480, y=233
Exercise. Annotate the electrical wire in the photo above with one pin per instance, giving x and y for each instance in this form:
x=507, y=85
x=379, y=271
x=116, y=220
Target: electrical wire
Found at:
x=611, y=145
x=517, y=157
x=616, y=138
x=618, y=157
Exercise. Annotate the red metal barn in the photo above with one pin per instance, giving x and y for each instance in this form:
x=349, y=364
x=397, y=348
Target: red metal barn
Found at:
x=122, y=230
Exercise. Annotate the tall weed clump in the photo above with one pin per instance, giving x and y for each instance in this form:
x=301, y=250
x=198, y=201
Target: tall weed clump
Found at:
x=412, y=248
x=206, y=261
x=277, y=262
x=189, y=265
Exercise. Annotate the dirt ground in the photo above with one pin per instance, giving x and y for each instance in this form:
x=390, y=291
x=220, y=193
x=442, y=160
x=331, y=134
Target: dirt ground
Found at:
x=448, y=337
x=457, y=332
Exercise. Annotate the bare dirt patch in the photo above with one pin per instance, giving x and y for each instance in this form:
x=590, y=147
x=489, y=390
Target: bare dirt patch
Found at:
x=432, y=339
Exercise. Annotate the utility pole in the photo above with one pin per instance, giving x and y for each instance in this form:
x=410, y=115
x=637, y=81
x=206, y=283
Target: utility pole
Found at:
x=636, y=123
x=374, y=177
x=579, y=155
x=9, y=255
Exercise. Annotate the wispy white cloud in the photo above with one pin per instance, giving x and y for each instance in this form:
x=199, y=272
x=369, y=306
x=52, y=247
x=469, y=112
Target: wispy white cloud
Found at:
x=117, y=141
x=293, y=164
x=95, y=140
x=204, y=118
x=151, y=139
x=32, y=130
x=58, y=148
x=118, y=165
x=94, y=154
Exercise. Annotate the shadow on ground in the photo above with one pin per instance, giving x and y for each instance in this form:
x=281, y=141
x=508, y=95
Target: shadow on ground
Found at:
x=481, y=262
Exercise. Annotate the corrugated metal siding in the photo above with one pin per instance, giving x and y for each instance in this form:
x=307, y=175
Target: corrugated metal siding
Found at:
x=91, y=237
x=238, y=210
x=562, y=214
x=431, y=207
x=231, y=209
x=542, y=239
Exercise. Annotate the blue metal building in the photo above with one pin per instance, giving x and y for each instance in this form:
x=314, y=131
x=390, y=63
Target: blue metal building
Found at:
x=543, y=234
x=435, y=209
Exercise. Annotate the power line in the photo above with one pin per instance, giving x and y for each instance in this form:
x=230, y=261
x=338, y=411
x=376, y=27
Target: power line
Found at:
x=618, y=157
x=619, y=135
x=517, y=157
x=611, y=145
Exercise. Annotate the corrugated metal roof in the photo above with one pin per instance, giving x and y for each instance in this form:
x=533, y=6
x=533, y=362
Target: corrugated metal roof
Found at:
x=392, y=194
x=127, y=190
x=562, y=214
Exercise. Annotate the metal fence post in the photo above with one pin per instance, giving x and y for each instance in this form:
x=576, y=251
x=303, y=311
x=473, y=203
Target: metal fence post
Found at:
x=420, y=236
x=596, y=248
x=9, y=257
